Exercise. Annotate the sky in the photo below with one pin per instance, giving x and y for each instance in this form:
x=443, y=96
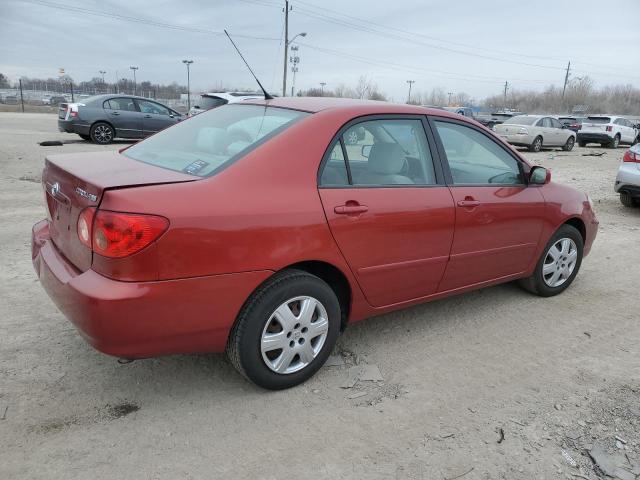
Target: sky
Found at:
x=470, y=46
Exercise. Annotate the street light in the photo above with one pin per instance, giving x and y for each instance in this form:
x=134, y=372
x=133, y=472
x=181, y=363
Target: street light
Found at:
x=102, y=72
x=322, y=84
x=188, y=64
x=134, y=79
x=286, y=56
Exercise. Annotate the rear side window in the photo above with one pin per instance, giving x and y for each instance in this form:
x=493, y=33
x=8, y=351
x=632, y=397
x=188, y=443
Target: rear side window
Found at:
x=555, y=123
x=475, y=159
x=208, y=142
x=335, y=168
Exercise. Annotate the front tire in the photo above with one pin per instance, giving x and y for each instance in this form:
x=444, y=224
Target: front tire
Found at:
x=536, y=146
x=559, y=264
x=627, y=200
x=569, y=145
x=285, y=331
x=102, y=133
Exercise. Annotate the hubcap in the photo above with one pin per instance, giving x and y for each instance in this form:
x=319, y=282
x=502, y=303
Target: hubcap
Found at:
x=294, y=334
x=102, y=133
x=559, y=262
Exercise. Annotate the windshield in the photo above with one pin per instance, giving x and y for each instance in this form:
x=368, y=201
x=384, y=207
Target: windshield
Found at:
x=208, y=142
x=521, y=120
x=207, y=103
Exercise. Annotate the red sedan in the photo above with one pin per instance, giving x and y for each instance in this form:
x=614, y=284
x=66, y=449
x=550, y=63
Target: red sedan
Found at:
x=264, y=228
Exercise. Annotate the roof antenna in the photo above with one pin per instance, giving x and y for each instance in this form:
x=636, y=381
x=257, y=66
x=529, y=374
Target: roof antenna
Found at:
x=266, y=95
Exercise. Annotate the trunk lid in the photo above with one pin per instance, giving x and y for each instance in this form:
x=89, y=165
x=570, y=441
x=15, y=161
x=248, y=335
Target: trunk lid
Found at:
x=73, y=182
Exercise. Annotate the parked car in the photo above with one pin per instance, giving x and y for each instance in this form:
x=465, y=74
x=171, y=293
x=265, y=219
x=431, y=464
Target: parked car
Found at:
x=572, y=123
x=227, y=232
x=628, y=178
x=10, y=100
x=57, y=100
x=496, y=118
x=46, y=99
x=217, y=99
x=607, y=130
x=103, y=118
x=536, y=132
x=464, y=111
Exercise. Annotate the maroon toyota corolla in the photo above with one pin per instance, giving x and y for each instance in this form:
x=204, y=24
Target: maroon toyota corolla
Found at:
x=265, y=228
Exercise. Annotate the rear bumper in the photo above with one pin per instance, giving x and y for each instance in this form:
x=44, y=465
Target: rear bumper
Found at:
x=142, y=319
x=628, y=179
x=518, y=140
x=594, y=137
x=72, y=126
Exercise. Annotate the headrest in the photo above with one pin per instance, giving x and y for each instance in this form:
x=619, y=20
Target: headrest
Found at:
x=211, y=140
x=386, y=158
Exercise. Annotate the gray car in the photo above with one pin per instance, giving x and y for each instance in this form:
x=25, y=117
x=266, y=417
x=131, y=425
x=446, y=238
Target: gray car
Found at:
x=628, y=178
x=103, y=118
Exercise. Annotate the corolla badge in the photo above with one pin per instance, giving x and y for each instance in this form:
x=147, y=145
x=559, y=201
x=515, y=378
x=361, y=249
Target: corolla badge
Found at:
x=55, y=189
x=83, y=193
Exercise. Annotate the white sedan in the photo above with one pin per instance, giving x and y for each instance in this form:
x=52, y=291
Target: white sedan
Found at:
x=536, y=132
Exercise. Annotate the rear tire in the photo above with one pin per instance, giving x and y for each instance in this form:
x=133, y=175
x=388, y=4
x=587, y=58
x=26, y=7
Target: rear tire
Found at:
x=256, y=347
x=569, y=145
x=554, y=260
x=102, y=133
x=615, y=142
x=627, y=200
x=536, y=146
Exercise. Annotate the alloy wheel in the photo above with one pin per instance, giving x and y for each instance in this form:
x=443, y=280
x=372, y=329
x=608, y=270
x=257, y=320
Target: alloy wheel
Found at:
x=294, y=335
x=559, y=262
x=103, y=134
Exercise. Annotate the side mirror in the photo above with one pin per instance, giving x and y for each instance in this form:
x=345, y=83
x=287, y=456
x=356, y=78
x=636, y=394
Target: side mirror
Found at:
x=366, y=150
x=197, y=106
x=539, y=176
x=563, y=126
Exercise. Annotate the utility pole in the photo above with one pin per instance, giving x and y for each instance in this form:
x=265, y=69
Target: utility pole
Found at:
x=102, y=72
x=322, y=84
x=449, y=102
x=188, y=64
x=566, y=79
x=410, y=82
x=506, y=87
x=135, y=83
x=286, y=47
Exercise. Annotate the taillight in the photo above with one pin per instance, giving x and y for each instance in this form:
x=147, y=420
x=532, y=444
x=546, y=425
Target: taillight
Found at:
x=73, y=113
x=609, y=128
x=631, y=157
x=116, y=234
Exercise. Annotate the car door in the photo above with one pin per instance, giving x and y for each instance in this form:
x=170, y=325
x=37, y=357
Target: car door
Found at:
x=155, y=117
x=499, y=218
x=561, y=134
x=123, y=114
x=388, y=208
x=627, y=130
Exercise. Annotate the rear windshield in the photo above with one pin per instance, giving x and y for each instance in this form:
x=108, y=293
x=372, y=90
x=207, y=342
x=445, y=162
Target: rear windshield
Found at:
x=207, y=103
x=521, y=120
x=208, y=142
x=598, y=119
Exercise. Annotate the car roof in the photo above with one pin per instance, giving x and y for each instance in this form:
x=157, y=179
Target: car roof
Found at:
x=317, y=104
x=532, y=116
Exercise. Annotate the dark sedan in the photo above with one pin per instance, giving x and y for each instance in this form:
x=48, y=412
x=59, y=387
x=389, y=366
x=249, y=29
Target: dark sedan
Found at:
x=103, y=118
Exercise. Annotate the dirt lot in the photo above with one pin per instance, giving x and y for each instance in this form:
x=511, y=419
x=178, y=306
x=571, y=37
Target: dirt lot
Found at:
x=492, y=384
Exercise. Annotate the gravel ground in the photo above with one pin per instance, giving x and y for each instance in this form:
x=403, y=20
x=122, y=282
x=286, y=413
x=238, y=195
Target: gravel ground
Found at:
x=492, y=384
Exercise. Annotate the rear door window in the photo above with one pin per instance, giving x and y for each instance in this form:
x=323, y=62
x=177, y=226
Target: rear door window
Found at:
x=121, y=103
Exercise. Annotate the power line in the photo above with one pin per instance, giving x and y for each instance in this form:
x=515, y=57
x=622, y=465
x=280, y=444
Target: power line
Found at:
x=407, y=32
x=139, y=20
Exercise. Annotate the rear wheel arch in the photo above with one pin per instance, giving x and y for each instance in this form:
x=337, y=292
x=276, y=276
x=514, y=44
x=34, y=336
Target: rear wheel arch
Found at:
x=334, y=277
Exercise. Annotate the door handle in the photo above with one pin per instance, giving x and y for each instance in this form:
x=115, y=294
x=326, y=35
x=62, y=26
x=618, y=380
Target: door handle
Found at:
x=350, y=209
x=468, y=203
x=147, y=116
x=115, y=114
